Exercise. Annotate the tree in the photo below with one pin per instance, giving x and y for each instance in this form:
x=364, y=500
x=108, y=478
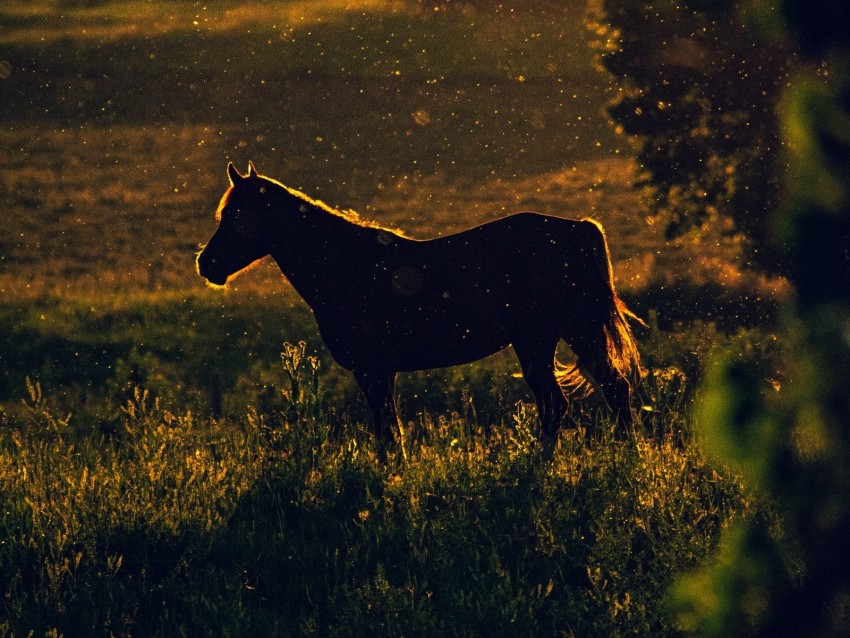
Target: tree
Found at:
x=699, y=91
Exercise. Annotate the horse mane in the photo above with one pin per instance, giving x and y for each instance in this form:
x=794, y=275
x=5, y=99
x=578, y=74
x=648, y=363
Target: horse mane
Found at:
x=348, y=214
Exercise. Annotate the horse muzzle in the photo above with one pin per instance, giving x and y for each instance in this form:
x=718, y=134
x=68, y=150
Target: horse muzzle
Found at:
x=207, y=270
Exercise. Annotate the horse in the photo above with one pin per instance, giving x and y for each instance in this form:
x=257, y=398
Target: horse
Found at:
x=385, y=303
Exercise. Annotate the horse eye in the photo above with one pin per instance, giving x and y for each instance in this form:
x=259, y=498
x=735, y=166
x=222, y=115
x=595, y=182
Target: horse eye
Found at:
x=262, y=190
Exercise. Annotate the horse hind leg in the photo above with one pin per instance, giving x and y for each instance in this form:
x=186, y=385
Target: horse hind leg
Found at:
x=616, y=389
x=538, y=368
x=617, y=392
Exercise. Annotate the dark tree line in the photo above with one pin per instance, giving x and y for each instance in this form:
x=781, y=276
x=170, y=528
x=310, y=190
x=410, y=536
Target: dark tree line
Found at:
x=698, y=88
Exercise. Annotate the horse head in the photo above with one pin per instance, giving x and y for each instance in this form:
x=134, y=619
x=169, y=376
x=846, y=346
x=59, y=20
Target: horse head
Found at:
x=239, y=240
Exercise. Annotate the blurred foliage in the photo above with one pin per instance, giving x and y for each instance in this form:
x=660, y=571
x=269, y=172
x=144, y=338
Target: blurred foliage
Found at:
x=698, y=91
x=792, y=577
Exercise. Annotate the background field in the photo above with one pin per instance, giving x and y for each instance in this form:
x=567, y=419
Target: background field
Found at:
x=119, y=117
x=117, y=120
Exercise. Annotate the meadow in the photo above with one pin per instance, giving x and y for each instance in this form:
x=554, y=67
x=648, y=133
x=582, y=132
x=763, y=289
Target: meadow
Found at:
x=179, y=460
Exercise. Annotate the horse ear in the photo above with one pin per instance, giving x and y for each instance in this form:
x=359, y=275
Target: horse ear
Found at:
x=233, y=174
x=252, y=170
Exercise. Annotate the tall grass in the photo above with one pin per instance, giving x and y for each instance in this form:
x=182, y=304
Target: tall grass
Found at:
x=286, y=524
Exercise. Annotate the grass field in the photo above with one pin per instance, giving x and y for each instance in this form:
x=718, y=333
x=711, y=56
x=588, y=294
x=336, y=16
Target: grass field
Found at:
x=165, y=471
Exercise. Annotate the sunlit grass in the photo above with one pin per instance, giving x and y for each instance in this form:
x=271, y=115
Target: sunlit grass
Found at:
x=280, y=522
x=355, y=38
x=47, y=20
x=127, y=207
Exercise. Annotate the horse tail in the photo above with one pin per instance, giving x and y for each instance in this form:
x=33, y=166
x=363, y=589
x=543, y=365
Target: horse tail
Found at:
x=611, y=349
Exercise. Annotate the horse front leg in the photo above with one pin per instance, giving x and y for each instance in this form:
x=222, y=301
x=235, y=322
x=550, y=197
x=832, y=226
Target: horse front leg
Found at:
x=379, y=389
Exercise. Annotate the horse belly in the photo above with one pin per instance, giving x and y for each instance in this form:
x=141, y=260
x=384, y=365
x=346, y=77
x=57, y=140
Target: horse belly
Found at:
x=453, y=346
x=457, y=331
x=417, y=337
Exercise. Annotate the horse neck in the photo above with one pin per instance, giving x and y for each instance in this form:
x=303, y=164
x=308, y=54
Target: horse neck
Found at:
x=307, y=243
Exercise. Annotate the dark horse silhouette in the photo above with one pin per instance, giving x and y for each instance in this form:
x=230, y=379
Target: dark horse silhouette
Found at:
x=385, y=303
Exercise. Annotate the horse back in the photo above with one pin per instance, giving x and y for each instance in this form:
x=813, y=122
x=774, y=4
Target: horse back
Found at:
x=521, y=251
x=458, y=298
